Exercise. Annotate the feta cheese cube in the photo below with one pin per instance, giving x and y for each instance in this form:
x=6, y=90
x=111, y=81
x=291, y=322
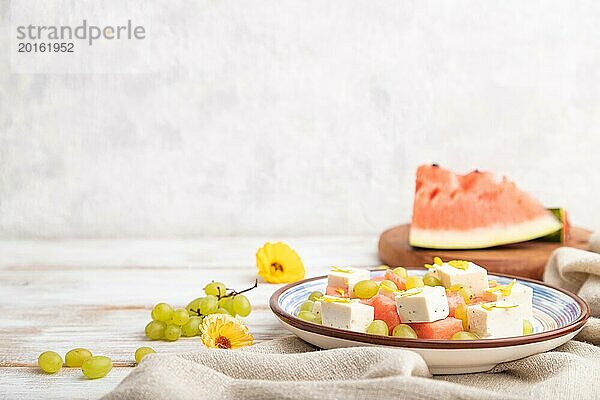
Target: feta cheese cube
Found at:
x=495, y=320
x=425, y=304
x=514, y=293
x=317, y=308
x=473, y=276
x=346, y=278
x=349, y=314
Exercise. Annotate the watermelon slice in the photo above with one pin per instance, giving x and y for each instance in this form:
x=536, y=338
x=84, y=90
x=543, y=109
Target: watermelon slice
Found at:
x=336, y=291
x=474, y=211
x=398, y=280
x=441, y=330
x=385, y=310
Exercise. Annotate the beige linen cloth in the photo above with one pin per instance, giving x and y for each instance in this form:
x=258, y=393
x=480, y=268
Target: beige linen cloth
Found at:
x=289, y=368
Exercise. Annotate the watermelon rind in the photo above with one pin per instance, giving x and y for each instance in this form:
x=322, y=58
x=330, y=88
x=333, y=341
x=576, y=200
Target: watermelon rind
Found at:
x=483, y=237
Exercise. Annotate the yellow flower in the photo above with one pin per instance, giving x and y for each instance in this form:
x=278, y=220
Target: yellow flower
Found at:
x=279, y=263
x=222, y=331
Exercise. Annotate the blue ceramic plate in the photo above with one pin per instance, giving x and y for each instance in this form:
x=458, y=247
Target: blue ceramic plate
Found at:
x=558, y=316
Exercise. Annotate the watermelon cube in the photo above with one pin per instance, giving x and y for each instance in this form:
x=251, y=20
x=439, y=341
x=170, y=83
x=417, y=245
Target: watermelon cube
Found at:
x=441, y=330
x=385, y=310
x=454, y=300
x=398, y=280
x=336, y=291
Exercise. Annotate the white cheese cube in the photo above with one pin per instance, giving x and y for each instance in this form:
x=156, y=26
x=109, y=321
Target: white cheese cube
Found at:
x=517, y=294
x=426, y=304
x=351, y=315
x=495, y=320
x=346, y=278
x=316, y=308
x=473, y=277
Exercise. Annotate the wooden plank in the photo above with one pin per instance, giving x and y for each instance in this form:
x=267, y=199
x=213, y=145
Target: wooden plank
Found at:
x=525, y=259
x=98, y=295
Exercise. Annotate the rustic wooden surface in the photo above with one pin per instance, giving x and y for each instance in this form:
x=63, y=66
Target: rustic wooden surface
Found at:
x=522, y=259
x=98, y=295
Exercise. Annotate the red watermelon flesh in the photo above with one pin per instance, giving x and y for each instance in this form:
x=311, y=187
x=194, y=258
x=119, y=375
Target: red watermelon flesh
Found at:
x=385, y=310
x=441, y=330
x=398, y=280
x=336, y=291
x=474, y=211
x=455, y=299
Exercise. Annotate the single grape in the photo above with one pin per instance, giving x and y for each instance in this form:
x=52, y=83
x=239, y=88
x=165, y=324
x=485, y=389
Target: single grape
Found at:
x=527, y=327
x=308, y=316
x=307, y=305
x=192, y=327
x=414, y=282
x=172, y=333
x=76, y=357
x=50, y=362
x=460, y=312
x=404, y=331
x=221, y=310
x=96, y=367
x=215, y=289
x=315, y=295
x=401, y=272
x=193, y=307
x=227, y=304
x=209, y=305
x=378, y=327
x=431, y=280
x=388, y=285
x=180, y=317
x=241, y=305
x=143, y=352
x=462, y=335
x=155, y=330
x=162, y=312
x=365, y=289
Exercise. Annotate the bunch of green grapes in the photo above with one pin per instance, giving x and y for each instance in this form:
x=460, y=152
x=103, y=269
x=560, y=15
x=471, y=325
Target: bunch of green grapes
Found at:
x=170, y=324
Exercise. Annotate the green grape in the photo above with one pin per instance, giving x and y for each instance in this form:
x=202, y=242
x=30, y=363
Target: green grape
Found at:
x=155, y=330
x=388, y=285
x=404, y=331
x=527, y=327
x=143, y=352
x=378, y=327
x=180, y=317
x=96, y=367
x=460, y=312
x=50, y=362
x=162, y=312
x=76, y=357
x=307, y=305
x=462, y=335
x=226, y=303
x=315, y=295
x=401, y=272
x=241, y=305
x=215, y=289
x=431, y=280
x=192, y=327
x=414, y=282
x=221, y=310
x=193, y=307
x=172, y=333
x=365, y=289
x=308, y=316
x=209, y=305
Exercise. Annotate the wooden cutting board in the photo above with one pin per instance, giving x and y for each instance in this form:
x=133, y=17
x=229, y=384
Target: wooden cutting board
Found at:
x=526, y=259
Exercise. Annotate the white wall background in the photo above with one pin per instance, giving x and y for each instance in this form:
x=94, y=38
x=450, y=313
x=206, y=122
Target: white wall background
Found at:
x=304, y=117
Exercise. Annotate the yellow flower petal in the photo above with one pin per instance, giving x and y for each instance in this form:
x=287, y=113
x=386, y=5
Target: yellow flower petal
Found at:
x=279, y=263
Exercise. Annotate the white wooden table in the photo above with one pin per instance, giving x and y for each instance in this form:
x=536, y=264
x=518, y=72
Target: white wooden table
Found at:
x=58, y=295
